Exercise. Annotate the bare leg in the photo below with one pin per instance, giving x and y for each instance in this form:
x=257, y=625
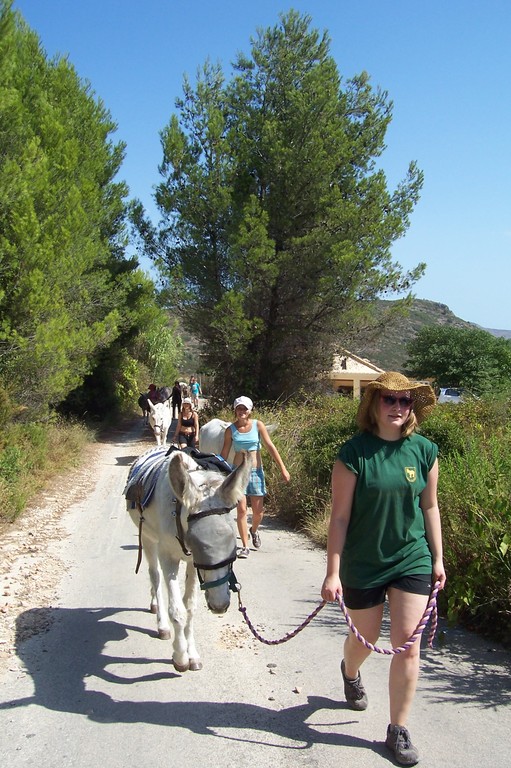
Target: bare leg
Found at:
x=406, y=611
x=256, y=504
x=241, y=519
x=368, y=623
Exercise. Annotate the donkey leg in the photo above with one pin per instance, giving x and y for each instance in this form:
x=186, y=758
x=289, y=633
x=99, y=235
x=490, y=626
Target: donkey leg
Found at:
x=190, y=602
x=157, y=596
x=177, y=613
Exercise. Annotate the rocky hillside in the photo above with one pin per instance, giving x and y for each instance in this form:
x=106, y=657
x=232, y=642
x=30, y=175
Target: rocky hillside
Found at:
x=389, y=350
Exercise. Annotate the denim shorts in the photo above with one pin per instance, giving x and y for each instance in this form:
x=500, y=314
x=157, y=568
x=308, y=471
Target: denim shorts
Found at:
x=256, y=484
x=356, y=599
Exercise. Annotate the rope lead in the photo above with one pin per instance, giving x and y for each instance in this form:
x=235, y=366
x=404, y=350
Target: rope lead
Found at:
x=430, y=612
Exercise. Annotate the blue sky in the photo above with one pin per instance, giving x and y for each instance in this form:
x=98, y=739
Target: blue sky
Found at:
x=446, y=65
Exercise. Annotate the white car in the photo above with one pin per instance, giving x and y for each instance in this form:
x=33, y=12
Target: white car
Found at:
x=450, y=395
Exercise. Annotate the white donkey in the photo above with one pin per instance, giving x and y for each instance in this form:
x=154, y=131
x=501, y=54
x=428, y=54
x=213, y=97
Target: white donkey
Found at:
x=160, y=419
x=183, y=514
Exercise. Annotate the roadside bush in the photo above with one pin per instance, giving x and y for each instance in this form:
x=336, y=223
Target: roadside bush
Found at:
x=475, y=496
x=445, y=427
x=30, y=455
x=308, y=438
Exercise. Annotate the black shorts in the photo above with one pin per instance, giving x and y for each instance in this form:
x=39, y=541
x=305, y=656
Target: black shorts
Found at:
x=189, y=440
x=356, y=599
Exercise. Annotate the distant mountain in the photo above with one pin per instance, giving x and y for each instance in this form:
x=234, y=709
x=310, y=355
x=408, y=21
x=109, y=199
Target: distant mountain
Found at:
x=389, y=350
x=494, y=332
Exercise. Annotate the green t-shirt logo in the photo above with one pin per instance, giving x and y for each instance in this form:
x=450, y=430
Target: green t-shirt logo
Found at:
x=411, y=474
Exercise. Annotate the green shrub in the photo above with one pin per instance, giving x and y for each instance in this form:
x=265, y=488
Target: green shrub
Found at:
x=10, y=463
x=475, y=499
x=30, y=455
x=308, y=438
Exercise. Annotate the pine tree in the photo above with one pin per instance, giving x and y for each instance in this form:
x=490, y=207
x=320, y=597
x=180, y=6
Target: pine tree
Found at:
x=276, y=222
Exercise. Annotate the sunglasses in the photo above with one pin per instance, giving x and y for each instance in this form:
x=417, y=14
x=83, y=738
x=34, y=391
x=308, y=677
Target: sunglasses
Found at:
x=404, y=402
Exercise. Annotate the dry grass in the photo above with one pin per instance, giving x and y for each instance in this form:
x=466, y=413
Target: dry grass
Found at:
x=31, y=455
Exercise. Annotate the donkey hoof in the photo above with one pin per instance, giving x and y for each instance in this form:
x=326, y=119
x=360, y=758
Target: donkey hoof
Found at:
x=153, y=608
x=181, y=667
x=195, y=665
x=164, y=634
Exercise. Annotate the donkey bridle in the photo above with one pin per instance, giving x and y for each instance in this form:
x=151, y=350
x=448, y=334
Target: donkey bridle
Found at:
x=229, y=576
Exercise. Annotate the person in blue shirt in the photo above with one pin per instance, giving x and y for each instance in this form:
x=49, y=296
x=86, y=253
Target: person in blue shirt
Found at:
x=246, y=434
x=195, y=391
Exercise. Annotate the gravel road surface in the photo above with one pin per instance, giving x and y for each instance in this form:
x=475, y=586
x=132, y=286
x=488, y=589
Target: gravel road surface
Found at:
x=84, y=681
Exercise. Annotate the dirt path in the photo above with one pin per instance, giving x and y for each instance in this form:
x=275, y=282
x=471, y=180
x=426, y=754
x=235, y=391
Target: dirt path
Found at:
x=84, y=680
x=31, y=565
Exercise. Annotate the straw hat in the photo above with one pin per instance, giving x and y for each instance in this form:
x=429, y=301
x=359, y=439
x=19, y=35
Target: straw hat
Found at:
x=424, y=399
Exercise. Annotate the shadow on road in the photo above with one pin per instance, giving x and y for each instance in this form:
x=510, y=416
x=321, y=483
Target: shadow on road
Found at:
x=69, y=676
x=72, y=664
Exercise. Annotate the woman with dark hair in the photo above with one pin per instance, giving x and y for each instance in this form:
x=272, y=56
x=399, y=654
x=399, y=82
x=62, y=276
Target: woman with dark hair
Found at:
x=153, y=394
x=187, y=427
x=384, y=539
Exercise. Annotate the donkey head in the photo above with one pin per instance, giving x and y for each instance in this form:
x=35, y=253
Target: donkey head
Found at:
x=207, y=499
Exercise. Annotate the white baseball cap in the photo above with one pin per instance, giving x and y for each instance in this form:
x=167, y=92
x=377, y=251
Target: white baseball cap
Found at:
x=246, y=401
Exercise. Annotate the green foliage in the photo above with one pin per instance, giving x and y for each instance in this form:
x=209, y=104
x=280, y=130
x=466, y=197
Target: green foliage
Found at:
x=445, y=426
x=71, y=303
x=475, y=492
x=320, y=442
x=10, y=463
x=7, y=409
x=163, y=351
x=276, y=227
x=308, y=438
x=472, y=359
x=30, y=454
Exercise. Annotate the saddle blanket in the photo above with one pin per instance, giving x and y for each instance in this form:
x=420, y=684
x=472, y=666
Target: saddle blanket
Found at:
x=205, y=460
x=143, y=476
x=145, y=472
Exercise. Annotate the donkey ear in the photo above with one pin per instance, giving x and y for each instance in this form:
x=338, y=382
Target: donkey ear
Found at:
x=178, y=475
x=233, y=488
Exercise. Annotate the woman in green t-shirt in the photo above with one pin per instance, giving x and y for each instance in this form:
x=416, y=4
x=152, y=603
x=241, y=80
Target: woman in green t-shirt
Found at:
x=384, y=539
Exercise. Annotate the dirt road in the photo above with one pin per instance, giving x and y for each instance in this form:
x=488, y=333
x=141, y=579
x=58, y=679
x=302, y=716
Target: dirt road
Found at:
x=86, y=682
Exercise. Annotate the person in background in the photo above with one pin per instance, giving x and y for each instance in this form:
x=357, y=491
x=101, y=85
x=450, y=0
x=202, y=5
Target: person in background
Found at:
x=246, y=434
x=176, y=399
x=384, y=540
x=153, y=394
x=195, y=391
x=187, y=427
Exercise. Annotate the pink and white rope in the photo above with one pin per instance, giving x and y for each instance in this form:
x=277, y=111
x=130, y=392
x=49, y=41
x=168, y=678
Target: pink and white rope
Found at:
x=430, y=612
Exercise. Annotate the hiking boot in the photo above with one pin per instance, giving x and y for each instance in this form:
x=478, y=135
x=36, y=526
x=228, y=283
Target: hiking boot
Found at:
x=354, y=691
x=243, y=553
x=256, y=539
x=399, y=742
